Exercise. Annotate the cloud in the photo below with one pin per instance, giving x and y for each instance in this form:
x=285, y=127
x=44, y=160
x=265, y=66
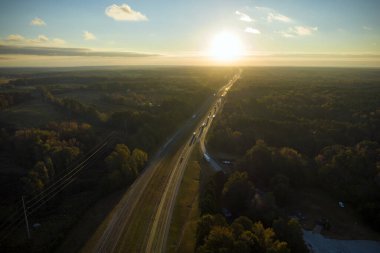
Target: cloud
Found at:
x=60, y=51
x=287, y=34
x=252, y=30
x=15, y=38
x=37, y=22
x=88, y=36
x=273, y=15
x=303, y=30
x=244, y=17
x=367, y=28
x=298, y=31
x=58, y=41
x=41, y=40
x=124, y=13
x=278, y=17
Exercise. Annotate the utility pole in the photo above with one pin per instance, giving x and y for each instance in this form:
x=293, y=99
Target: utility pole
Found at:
x=26, y=218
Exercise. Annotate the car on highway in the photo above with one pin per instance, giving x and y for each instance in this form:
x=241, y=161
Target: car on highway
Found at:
x=193, y=138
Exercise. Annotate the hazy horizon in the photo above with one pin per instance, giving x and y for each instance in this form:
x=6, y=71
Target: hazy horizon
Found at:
x=258, y=33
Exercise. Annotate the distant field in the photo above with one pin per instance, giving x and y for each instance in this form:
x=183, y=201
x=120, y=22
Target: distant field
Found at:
x=33, y=113
x=4, y=80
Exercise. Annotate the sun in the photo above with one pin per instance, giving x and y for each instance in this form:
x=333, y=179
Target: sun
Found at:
x=226, y=46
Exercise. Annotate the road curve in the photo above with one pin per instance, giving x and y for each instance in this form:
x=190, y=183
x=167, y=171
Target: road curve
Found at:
x=202, y=138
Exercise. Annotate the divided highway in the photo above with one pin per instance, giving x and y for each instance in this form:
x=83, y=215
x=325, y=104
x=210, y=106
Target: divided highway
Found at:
x=159, y=231
x=141, y=220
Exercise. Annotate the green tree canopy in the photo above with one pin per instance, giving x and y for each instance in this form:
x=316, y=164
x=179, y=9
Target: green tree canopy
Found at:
x=237, y=192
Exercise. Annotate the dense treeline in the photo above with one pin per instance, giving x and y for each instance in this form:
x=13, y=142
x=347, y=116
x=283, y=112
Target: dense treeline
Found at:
x=141, y=108
x=290, y=129
x=352, y=173
x=287, y=135
x=45, y=152
x=254, y=222
x=13, y=98
x=242, y=235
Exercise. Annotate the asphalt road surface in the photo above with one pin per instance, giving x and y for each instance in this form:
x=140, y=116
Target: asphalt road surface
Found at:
x=141, y=220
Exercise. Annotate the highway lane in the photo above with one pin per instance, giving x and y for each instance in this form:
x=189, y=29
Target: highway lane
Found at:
x=156, y=241
x=148, y=204
x=107, y=237
x=202, y=138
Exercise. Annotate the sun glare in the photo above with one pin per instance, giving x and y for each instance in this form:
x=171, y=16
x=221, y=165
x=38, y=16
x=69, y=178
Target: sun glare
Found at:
x=226, y=46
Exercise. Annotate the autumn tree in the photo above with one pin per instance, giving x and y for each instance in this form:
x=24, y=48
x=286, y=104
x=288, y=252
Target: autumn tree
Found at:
x=291, y=232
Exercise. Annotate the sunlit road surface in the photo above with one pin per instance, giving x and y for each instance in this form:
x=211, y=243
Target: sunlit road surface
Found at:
x=140, y=222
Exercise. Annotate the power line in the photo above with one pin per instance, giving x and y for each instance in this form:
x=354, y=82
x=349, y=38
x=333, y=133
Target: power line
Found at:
x=50, y=192
x=76, y=166
x=40, y=195
x=63, y=179
x=26, y=218
x=34, y=207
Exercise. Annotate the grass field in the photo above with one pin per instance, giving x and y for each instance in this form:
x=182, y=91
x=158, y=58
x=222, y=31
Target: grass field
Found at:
x=33, y=113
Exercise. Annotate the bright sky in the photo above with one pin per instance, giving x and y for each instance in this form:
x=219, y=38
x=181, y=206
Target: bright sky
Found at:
x=274, y=32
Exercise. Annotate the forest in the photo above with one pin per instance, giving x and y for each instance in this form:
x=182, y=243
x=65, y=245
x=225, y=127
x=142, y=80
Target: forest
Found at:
x=286, y=131
x=72, y=137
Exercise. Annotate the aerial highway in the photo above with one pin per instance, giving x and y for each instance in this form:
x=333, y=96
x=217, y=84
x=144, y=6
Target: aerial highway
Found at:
x=141, y=220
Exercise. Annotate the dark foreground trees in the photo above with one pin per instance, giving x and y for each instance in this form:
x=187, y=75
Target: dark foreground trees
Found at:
x=124, y=166
x=242, y=235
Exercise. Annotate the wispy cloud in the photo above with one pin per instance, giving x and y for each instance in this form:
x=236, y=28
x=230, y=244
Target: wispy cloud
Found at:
x=59, y=51
x=287, y=34
x=367, y=28
x=18, y=39
x=40, y=39
x=252, y=30
x=304, y=30
x=37, y=22
x=124, y=13
x=15, y=38
x=58, y=41
x=278, y=17
x=298, y=31
x=88, y=36
x=273, y=15
x=244, y=17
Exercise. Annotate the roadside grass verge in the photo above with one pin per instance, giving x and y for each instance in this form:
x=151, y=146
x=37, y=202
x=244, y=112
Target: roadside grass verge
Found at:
x=186, y=212
x=185, y=215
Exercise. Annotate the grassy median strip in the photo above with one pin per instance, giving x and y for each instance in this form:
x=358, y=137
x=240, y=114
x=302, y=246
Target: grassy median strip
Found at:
x=185, y=215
